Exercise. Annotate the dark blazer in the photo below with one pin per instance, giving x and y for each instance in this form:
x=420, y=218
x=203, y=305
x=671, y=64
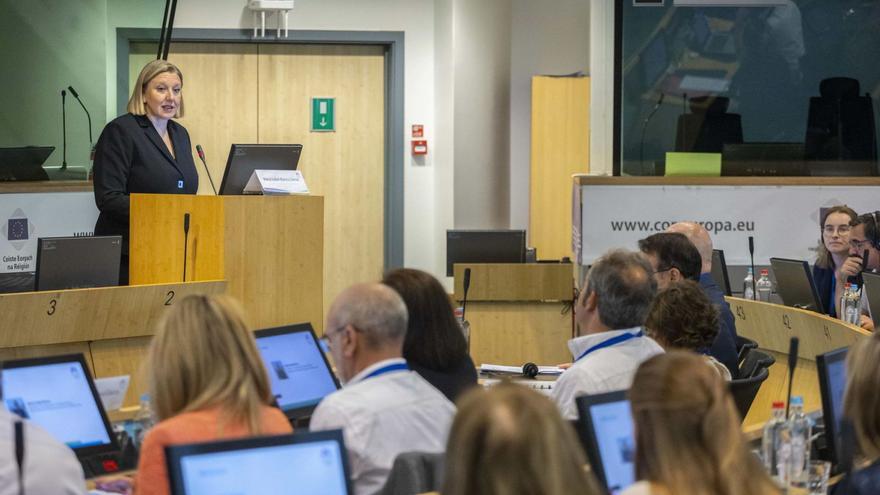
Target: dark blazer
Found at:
x=130, y=157
x=724, y=346
x=824, y=279
x=452, y=382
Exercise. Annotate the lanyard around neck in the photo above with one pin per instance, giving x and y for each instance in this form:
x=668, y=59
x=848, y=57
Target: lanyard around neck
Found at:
x=387, y=369
x=610, y=342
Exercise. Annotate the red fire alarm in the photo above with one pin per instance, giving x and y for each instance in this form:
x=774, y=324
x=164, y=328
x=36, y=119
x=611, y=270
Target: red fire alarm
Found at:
x=418, y=130
x=419, y=147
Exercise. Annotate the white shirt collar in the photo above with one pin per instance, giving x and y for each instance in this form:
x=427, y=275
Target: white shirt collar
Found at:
x=373, y=367
x=578, y=345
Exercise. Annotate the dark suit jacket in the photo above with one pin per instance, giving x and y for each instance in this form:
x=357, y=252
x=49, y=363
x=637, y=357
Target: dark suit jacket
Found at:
x=724, y=346
x=824, y=278
x=452, y=382
x=130, y=157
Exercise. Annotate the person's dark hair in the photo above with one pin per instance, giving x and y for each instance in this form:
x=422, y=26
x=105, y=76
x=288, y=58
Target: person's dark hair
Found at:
x=624, y=288
x=674, y=250
x=872, y=229
x=682, y=316
x=823, y=257
x=434, y=338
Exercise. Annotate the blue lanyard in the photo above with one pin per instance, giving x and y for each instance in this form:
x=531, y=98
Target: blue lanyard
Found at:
x=610, y=342
x=387, y=369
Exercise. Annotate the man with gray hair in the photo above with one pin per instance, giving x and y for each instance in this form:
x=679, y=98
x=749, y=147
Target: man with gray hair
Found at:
x=611, y=342
x=384, y=408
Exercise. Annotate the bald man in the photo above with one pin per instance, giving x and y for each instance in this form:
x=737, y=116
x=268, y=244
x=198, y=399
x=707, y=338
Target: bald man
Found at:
x=384, y=408
x=724, y=346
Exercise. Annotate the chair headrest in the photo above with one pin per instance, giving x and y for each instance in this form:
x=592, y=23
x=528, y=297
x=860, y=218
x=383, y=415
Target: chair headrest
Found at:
x=709, y=104
x=839, y=87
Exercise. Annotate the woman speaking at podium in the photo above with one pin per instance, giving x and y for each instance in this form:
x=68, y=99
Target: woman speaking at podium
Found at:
x=143, y=151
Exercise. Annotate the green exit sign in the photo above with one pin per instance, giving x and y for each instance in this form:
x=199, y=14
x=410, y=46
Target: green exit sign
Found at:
x=323, y=114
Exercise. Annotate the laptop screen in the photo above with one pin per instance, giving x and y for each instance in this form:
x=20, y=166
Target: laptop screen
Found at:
x=313, y=463
x=832, y=384
x=58, y=394
x=299, y=373
x=609, y=438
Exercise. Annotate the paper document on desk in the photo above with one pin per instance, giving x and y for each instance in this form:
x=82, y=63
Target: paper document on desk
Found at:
x=112, y=391
x=517, y=370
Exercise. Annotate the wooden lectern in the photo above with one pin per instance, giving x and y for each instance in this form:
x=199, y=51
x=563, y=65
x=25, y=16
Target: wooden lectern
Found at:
x=517, y=312
x=269, y=249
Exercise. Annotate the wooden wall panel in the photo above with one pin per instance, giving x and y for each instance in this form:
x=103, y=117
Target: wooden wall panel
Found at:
x=345, y=166
x=560, y=148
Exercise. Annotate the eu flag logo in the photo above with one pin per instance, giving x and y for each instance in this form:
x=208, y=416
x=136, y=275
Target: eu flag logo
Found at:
x=17, y=229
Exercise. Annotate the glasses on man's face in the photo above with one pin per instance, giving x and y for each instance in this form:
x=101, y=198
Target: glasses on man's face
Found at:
x=859, y=245
x=661, y=270
x=840, y=229
x=325, y=339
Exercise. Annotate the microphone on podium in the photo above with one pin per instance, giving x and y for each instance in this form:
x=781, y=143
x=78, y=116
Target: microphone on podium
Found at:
x=185, y=241
x=63, y=130
x=207, y=171
x=88, y=115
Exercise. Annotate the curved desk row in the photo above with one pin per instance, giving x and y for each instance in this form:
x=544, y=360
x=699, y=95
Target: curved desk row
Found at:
x=772, y=327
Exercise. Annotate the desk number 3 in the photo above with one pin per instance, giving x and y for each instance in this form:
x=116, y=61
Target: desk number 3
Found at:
x=52, y=305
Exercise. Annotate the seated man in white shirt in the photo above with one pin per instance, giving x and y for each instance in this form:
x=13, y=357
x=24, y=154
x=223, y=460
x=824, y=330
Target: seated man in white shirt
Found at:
x=611, y=342
x=384, y=409
x=48, y=466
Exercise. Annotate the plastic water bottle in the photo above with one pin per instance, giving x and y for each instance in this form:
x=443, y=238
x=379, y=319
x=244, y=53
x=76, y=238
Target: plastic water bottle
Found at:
x=800, y=429
x=764, y=286
x=143, y=420
x=852, y=310
x=748, y=286
x=770, y=441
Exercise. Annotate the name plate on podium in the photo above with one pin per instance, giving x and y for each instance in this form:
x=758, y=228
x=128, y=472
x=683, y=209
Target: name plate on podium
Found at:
x=276, y=182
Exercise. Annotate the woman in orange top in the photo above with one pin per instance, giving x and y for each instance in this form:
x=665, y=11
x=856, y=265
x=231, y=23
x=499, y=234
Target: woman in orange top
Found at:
x=207, y=382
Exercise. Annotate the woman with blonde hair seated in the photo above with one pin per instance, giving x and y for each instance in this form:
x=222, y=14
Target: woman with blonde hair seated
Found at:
x=207, y=381
x=688, y=437
x=511, y=440
x=861, y=405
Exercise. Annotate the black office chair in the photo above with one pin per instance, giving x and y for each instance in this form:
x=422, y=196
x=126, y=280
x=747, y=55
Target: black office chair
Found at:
x=743, y=346
x=754, y=362
x=415, y=472
x=840, y=123
x=708, y=127
x=745, y=390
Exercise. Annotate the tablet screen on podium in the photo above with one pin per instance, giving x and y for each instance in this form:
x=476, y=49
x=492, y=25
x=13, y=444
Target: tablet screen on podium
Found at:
x=245, y=158
x=606, y=429
x=305, y=463
x=299, y=373
x=58, y=394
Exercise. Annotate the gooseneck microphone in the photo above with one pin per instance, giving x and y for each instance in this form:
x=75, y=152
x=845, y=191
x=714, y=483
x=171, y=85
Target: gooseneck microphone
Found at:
x=185, y=241
x=88, y=115
x=63, y=130
x=207, y=171
x=752, y=261
x=792, y=364
x=466, y=285
x=645, y=128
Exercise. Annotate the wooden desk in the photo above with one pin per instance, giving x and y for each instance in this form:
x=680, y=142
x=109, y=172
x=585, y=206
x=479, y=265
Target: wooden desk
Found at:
x=112, y=326
x=772, y=325
x=517, y=312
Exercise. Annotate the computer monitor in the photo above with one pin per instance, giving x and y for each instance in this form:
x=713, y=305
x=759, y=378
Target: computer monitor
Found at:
x=77, y=262
x=299, y=373
x=312, y=463
x=719, y=271
x=872, y=290
x=58, y=394
x=24, y=163
x=484, y=246
x=245, y=158
x=831, y=367
x=795, y=285
x=606, y=429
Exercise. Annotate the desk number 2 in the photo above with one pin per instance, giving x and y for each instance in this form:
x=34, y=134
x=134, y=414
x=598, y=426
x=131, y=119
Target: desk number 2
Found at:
x=169, y=298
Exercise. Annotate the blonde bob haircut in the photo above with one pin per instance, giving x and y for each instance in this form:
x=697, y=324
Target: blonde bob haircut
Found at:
x=688, y=432
x=510, y=440
x=861, y=402
x=150, y=71
x=204, y=356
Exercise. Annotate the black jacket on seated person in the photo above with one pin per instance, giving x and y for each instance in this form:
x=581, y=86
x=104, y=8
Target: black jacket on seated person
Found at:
x=724, y=347
x=862, y=482
x=131, y=157
x=452, y=382
x=824, y=279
